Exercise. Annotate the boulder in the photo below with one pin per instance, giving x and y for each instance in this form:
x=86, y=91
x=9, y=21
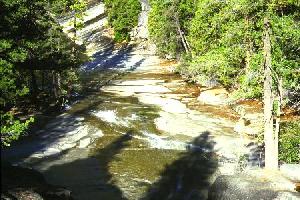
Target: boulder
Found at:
x=25, y=183
x=84, y=142
x=291, y=171
x=19, y=194
x=216, y=96
x=240, y=187
x=288, y=196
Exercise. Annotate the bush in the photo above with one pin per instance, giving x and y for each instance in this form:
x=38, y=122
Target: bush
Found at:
x=123, y=16
x=12, y=129
x=289, y=142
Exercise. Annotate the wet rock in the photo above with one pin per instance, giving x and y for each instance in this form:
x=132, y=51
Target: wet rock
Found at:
x=256, y=155
x=240, y=187
x=137, y=89
x=214, y=96
x=251, y=118
x=57, y=193
x=20, y=194
x=84, y=142
x=166, y=104
x=51, y=151
x=287, y=196
x=107, y=115
x=20, y=183
x=228, y=168
x=277, y=180
x=291, y=171
x=98, y=134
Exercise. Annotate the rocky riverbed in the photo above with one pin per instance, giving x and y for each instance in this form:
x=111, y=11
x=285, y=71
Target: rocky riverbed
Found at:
x=139, y=132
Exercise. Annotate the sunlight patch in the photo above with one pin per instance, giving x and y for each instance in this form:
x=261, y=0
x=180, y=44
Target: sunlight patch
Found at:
x=106, y=115
x=160, y=142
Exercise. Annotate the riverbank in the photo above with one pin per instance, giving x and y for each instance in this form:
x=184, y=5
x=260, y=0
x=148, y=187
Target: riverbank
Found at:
x=140, y=135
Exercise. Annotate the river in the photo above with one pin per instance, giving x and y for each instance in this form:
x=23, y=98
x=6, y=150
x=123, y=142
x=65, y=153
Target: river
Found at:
x=138, y=133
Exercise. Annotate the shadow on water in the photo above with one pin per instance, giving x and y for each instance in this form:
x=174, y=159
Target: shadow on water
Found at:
x=60, y=126
x=186, y=178
x=90, y=178
x=189, y=176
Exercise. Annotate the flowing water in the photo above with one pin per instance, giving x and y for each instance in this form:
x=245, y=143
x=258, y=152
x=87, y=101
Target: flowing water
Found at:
x=133, y=139
x=141, y=136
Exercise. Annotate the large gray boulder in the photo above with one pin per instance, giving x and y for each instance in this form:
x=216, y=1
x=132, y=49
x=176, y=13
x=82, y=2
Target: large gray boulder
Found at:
x=18, y=183
x=241, y=187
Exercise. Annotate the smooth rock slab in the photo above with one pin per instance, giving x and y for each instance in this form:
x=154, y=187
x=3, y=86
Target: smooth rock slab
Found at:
x=288, y=196
x=139, y=82
x=166, y=104
x=241, y=187
x=213, y=97
x=291, y=171
x=137, y=89
x=84, y=142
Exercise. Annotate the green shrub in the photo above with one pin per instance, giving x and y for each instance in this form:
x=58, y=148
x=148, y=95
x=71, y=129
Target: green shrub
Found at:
x=289, y=142
x=226, y=41
x=123, y=16
x=11, y=128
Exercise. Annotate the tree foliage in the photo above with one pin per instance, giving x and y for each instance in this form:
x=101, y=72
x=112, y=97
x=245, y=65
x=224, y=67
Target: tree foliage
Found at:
x=225, y=43
x=122, y=16
x=289, y=142
x=32, y=44
x=166, y=19
x=225, y=39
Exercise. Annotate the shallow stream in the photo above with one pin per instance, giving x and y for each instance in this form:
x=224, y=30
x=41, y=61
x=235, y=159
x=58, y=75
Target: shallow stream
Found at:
x=143, y=135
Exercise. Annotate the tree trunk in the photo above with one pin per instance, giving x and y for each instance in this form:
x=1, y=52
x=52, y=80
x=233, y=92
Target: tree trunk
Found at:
x=271, y=155
x=278, y=113
x=43, y=80
x=34, y=87
x=249, y=45
x=54, y=85
x=181, y=34
x=75, y=27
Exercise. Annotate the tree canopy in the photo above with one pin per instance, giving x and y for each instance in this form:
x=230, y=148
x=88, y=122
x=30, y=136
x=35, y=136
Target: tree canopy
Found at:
x=122, y=16
x=31, y=42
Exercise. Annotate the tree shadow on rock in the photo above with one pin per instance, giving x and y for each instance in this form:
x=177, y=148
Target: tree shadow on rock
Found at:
x=90, y=178
x=109, y=58
x=188, y=177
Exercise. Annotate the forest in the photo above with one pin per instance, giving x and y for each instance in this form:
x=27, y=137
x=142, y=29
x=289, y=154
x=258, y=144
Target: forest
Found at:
x=38, y=61
x=248, y=48
x=216, y=43
x=222, y=43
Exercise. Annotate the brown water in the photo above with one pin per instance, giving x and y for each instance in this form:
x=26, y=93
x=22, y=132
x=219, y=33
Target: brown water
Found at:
x=132, y=159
